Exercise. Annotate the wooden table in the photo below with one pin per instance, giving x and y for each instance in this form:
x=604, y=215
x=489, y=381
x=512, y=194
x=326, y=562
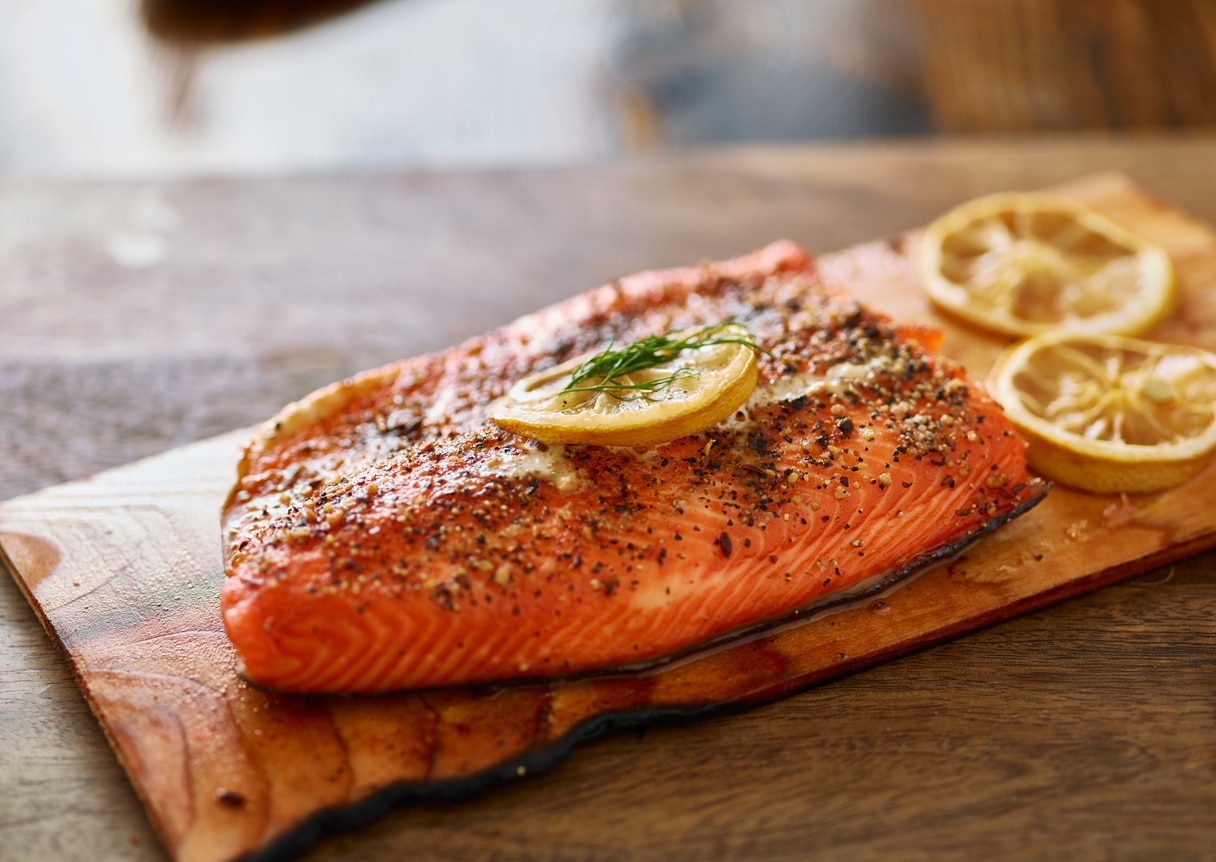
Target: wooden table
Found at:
x=137, y=317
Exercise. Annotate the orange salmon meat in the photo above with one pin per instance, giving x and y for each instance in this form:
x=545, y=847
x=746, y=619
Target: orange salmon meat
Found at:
x=383, y=534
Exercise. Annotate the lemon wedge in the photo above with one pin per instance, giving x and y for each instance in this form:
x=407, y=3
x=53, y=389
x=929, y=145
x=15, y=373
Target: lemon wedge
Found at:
x=677, y=392
x=1108, y=413
x=1024, y=263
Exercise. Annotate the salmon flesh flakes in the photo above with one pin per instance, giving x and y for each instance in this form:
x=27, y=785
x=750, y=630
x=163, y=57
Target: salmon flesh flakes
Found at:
x=383, y=534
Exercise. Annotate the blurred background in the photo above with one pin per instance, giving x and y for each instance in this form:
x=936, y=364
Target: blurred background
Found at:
x=122, y=88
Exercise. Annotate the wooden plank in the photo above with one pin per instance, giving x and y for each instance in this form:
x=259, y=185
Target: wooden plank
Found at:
x=224, y=769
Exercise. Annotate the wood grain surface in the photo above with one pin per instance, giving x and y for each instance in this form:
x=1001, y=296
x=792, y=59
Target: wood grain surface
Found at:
x=809, y=772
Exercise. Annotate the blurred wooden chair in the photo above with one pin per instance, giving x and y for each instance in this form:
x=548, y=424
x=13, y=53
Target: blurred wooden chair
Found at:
x=1048, y=65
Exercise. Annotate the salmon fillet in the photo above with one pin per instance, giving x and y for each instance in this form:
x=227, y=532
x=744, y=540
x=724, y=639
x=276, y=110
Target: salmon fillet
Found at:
x=383, y=534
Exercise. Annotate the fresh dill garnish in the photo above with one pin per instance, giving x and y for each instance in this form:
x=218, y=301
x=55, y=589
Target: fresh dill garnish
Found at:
x=605, y=371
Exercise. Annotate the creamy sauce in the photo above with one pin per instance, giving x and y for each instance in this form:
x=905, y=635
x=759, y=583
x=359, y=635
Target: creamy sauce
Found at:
x=838, y=380
x=550, y=464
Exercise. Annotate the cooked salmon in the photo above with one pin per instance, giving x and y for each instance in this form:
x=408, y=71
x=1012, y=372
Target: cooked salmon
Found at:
x=383, y=534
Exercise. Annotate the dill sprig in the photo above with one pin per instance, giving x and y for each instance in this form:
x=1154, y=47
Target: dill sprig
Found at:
x=604, y=371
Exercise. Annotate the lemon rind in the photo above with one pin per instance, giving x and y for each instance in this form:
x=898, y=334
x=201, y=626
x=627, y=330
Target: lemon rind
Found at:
x=639, y=428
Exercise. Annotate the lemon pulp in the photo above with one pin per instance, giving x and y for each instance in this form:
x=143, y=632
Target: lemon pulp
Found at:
x=1024, y=263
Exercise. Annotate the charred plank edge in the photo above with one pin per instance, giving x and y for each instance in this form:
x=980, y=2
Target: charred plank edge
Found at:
x=333, y=821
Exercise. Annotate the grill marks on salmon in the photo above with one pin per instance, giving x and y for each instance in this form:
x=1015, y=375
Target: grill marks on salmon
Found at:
x=384, y=535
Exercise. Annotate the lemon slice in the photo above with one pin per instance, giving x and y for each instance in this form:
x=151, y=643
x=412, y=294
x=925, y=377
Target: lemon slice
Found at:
x=1021, y=264
x=1107, y=413
x=684, y=393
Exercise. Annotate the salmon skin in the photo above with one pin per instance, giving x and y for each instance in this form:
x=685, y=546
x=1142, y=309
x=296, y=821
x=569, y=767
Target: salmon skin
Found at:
x=384, y=535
